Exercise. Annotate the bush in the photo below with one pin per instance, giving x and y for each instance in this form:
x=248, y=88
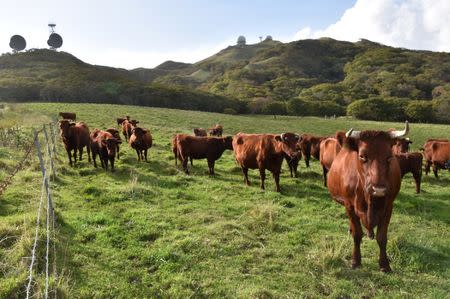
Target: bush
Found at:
x=420, y=111
x=441, y=110
x=229, y=111
x=274, y=108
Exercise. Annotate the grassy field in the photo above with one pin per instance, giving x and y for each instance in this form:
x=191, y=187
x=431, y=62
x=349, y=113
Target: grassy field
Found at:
x=148, y=230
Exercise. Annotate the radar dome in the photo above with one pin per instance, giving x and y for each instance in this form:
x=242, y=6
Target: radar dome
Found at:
x=241, y=41
x=17, y=43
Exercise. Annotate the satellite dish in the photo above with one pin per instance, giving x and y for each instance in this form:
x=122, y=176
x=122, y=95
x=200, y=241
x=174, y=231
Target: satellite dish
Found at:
x=55, y=41
x=17, y=43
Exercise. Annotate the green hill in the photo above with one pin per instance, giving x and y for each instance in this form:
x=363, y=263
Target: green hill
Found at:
x=306, y=77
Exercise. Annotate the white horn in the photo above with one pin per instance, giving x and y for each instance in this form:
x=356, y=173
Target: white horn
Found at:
x=282, y=136
x=351, y=133
x=402, y=133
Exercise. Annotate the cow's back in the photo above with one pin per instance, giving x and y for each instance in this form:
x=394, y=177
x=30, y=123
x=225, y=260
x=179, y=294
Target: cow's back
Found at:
x=329, y=148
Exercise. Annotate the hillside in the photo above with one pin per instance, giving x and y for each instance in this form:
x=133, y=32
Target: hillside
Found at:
x=149, y=231
x=305, y=77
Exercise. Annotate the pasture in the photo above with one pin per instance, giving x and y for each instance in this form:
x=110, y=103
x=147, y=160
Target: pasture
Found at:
x=148, y=230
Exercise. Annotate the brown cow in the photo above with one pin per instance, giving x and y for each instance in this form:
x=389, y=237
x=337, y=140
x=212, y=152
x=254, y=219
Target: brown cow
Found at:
x=103, y=144
x=427, y=152
x=120, y=120
x=209, y=148
x=141, y=140
x=310, y=146
x=127, y=127
x=68, y=115
x=411, y=162
x=401, y=145
x=329, y=148
x=175, y=152
x=75, y=137
x=116, y=135
x=199, y=132
x=365, y=177
x=293, y=162
x=264, y=151
x=217, y=130
x=440, y=156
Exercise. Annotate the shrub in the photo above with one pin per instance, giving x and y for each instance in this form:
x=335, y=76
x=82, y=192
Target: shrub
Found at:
x=420, y=111
x=229, y=111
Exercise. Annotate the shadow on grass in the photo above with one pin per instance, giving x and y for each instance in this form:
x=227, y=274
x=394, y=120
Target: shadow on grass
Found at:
x=432, y=208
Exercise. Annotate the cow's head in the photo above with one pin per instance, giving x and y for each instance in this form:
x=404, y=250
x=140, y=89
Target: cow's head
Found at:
x=114, y=132
x=375, y=157
x=134, y=122
x=64, y=126
x=111, y=145
x=401, y=145
x=288, y=143
x=139, y=132
x=228, y=142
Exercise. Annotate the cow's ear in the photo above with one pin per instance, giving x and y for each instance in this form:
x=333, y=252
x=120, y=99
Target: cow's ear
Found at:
x=278, y=138
x=72, y=124
x=340, y=137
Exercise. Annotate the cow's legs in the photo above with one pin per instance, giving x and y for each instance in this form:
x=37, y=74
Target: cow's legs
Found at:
x=325, y=171
x=117, y=152
x=102, y=160
x=356, y=230
x=382, y=241
x=262, y=174
x=105, y=160
x=276, y=176
x=111, y=161
x=75, y=155
x=211, y=167
x=295, y=167
x=435, y=170
x=245, y=172
x=94, y=157
x=69, y=154
x=307, y=157
x=418, y=178
x=145, y=155
x=185, y=162
x=190, y=158
x=139, y=155
x=80, y=150
x=427, y=167
x=88, y=150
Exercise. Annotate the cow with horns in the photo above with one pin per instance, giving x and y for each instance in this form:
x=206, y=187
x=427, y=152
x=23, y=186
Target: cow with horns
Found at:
x=365, y=177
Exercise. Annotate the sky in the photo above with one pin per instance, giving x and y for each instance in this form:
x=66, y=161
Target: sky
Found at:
x=138, y=33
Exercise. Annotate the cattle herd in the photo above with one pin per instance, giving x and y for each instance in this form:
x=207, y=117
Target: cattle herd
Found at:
x=362, y=169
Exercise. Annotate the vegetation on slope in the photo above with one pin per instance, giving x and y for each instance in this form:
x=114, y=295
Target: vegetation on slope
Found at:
x=149, y=231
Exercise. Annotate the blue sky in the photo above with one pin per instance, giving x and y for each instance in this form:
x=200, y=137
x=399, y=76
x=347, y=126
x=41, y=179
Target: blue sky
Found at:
x=136, y=33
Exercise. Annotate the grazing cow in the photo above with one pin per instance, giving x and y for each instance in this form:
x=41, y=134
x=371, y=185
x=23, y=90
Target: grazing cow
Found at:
x=411, y=162
x=310, y=146
x=68, y=115
x=217, y=130
x=121, y=120
x=428, y=151
x=401, y=145
x=141, y=140
x=116, y=135
x=75, y=137
x=209, y=148
x=440, y=155
x=199, y=132
x=365, y=177
x=127, y=127
x=264, y=151
x=176, y=154
x=104, y=144
x=329, y=148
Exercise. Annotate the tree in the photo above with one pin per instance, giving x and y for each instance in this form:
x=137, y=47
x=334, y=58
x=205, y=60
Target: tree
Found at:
x=420, y=111
x=274, y=108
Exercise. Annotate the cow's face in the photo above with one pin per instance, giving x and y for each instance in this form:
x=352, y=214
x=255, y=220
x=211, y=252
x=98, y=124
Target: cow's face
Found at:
x=111, y=146
x=401, y=145
x=228, y=141
x=64, y=126
x=139, y=132
x=114, y=132
x=288, y=143
x=134, y=122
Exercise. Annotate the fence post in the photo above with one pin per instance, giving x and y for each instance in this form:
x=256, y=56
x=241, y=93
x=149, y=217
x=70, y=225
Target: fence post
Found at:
x=53, y=135
x=49, y=152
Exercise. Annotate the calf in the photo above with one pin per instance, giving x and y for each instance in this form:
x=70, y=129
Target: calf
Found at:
x=120, y=120
x=310, y=146
x=217, y=130
x=68, y=115
x=75, y=137
x=411, y=162
x=209, y=148
x=116, y=135
x=103, y=144
x=127, y=127
x=329, y=148
x=199, y=132
x=440, y=155
x=141, y=140
x=264, y=151
x=401, y=145
x=365, y=177
x=427, y=152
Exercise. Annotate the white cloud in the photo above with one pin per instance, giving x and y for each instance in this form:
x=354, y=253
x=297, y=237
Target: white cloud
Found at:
x=415, y=24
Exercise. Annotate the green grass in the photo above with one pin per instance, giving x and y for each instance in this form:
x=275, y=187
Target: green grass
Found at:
x=148, y=230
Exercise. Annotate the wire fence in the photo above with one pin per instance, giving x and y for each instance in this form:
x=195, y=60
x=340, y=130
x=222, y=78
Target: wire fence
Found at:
x=47, y=166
